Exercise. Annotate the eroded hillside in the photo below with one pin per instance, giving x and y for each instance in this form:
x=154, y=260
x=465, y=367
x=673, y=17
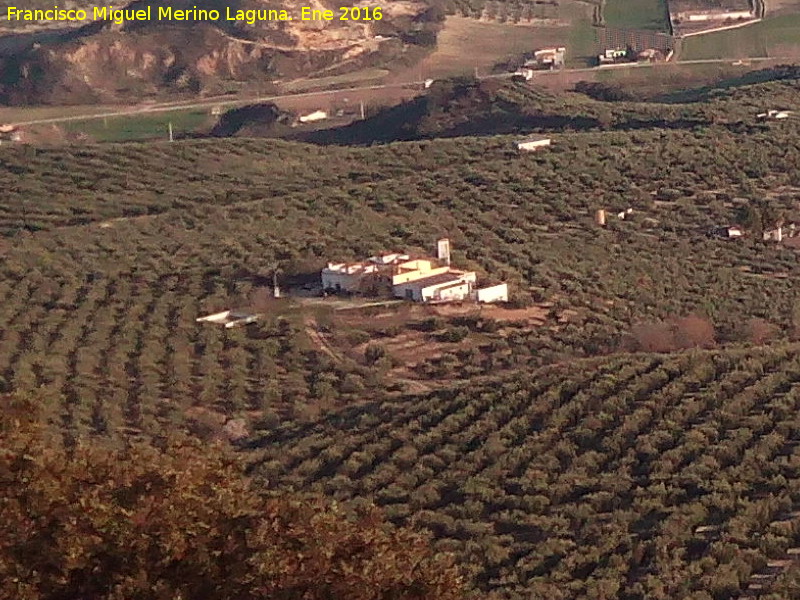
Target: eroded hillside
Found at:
x=104, y=61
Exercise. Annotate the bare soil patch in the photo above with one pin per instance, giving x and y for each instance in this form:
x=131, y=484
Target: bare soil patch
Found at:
x=535, y=313
x=466, y=43
x=416, y=336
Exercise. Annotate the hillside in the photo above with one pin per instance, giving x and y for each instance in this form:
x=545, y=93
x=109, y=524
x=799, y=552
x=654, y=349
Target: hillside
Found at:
x=624, y=428
x=107, y=62
x=122, y=247
x=635, y=477
x=465, y=107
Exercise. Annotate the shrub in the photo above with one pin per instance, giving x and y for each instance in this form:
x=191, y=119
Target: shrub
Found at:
x=432, y=324
x=676, y=333
x=760, y=331
x=373, y=353
x=454, y=334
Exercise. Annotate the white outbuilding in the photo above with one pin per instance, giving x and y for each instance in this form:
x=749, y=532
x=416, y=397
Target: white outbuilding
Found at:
x=493, y=293
x=532, y=144
x=317, y=115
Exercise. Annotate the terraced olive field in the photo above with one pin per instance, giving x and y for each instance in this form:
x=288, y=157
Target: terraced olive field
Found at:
x=115, y=250
x=635, y=477
x=625, y=428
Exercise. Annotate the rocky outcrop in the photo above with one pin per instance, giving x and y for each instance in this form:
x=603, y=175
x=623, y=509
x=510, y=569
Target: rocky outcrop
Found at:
x=255, y=120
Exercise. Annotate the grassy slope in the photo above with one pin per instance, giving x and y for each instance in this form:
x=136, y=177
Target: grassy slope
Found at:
x=141, y=127
x=582, y=47
x=581, y=40
x=637, y=14
x=778, y=36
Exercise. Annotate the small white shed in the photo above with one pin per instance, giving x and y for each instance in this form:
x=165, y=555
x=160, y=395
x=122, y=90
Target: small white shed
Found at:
x=532, y=144
x=494, y=293
x=230, y=318
x=317, y=115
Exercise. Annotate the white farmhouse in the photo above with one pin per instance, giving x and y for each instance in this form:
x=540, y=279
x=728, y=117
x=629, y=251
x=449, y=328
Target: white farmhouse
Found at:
x=350, y=277
x=418, y=279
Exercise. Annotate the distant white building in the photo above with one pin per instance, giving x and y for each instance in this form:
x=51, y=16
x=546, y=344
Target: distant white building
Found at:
x=548, y=58
x=447, y=286
x=735, y=232
x=613, y=55
x=345, y=277
x=728, y=232
x=650, y=55
x=350, y=277
x=522, y=75
x=317, y=115
x=774, y=114
x=714, y=15
x=532, y=144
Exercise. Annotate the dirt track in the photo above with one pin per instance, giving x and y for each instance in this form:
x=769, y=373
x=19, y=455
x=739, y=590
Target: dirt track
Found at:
x=315, y=335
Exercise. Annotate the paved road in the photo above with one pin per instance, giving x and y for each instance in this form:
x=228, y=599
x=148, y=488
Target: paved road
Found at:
x=233, y=101
x=188, y=105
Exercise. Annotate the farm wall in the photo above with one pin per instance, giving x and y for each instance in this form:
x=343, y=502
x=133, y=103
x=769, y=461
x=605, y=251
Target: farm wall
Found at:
x=495, y=293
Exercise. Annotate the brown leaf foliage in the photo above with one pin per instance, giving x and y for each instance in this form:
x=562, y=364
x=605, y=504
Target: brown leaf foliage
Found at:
x=183, y=523
x=693, y=332
x=652, y=337
x=673, y=334
x=760, y=331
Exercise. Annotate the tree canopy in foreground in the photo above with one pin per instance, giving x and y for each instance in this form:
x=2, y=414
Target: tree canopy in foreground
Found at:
x=183, y=523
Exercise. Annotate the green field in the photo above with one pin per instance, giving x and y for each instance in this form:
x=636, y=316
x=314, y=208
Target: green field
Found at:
x=777, y=37
x=637, y=14
x=581, y=51
x=141, y=126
